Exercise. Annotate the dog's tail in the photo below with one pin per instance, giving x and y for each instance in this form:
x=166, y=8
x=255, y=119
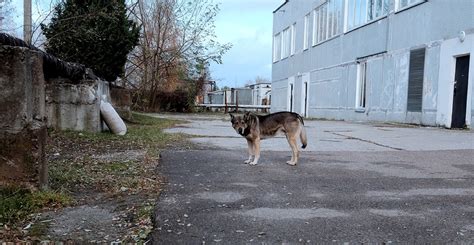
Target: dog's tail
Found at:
x=303, y=138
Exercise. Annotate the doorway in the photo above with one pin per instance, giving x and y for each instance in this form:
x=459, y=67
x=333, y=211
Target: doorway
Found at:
x=291, y=96
x=305, y=96
x=461, y=78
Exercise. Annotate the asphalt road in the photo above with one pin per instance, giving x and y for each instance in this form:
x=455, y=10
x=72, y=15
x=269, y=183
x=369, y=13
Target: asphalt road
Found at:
x=384, y=192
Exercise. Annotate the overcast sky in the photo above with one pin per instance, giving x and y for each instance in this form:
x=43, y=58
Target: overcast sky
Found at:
x=247, y=24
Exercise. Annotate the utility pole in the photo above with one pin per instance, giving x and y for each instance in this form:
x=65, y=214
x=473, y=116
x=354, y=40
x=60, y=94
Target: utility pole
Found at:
x=27, y=21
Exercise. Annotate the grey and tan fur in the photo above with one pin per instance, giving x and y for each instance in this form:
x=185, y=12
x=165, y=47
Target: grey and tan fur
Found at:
x=255, y=128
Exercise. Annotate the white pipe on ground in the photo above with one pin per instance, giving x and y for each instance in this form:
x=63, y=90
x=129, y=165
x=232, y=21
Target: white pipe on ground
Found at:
x=112, y=119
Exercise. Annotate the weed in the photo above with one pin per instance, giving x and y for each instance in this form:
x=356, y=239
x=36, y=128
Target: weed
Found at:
x=17, y=203
x=77, y=164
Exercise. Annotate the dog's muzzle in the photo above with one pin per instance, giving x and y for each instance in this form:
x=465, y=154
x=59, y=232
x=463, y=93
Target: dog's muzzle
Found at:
x=241, y=131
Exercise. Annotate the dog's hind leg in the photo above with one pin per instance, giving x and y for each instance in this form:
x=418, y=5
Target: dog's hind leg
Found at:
x=251, y=152
x=256, y=150
x=294, y=150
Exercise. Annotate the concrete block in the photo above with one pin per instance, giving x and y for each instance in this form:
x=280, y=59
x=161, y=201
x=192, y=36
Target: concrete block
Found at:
x=23, y=130
x=73, y=106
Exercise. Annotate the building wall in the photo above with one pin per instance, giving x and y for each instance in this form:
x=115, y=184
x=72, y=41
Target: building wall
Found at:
x=260, y=92
x=385, y=44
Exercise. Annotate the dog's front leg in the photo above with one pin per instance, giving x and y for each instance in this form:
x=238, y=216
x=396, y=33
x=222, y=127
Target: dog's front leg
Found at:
x=251, y=153
x=256, y=149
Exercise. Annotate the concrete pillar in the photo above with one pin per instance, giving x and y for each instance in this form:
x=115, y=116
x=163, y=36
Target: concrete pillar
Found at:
x=72, y=106
x=23, y=131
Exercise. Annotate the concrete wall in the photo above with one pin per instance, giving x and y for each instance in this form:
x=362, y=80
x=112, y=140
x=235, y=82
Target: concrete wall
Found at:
x=216, y=97
x=75, y=106
x=23, y=131
x=385, y=44
x=242, y=96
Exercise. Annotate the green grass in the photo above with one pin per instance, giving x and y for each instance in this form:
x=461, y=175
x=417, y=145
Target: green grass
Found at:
x=17, y=203
x=144, y=132
x=118, y=167
x=64, y=175
x=142, y=129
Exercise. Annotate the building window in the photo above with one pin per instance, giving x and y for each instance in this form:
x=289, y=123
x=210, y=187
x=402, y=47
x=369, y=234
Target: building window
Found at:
x=361, y=85
x=315, y=27
x=293, y=39
x=326, y=21
x=415, y=80
x=306, y=32
x=360, y=12
x=276, y=47
x=401, y=4
x=285, y=43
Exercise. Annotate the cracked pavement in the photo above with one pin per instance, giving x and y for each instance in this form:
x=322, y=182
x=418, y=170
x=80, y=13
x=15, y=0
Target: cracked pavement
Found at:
x=354, y=183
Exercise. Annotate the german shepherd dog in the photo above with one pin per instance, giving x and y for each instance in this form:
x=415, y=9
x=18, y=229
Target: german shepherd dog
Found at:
x=255, y=128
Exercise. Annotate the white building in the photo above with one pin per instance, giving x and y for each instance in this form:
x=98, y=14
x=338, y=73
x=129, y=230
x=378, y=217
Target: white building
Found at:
x=403, y=61
x=250, y=95
x=261, y=92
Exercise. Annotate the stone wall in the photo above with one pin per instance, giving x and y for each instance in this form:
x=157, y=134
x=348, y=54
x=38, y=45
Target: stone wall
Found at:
x=76, y=107
x=23, y=131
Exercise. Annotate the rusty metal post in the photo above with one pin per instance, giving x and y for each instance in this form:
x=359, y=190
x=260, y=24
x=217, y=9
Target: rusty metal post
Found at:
x=225, y=102
x=236, y=100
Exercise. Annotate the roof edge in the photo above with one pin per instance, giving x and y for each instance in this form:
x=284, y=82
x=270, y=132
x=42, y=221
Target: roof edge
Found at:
x=283, y=4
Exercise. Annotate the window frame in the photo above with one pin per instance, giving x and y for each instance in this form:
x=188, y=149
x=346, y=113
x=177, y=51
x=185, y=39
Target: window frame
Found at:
x=285, y=43
x=363, y=15
x=277, y=47
x=293, y=39
x=306, y=32
x=410, y=4
x=361, y=87
x=315, y=29
x=327, y=19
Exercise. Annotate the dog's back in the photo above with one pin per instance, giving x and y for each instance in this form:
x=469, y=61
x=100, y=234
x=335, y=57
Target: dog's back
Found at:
x=255, y=128
x=289, y=123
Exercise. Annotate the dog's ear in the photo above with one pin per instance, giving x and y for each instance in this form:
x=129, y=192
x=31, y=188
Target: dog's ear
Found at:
x=247, y=116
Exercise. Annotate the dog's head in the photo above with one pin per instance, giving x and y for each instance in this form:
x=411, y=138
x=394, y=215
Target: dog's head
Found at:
x=240, y=123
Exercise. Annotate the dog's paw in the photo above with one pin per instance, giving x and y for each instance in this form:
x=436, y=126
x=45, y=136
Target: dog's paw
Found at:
x=291, y=163
x=253, y=163
x=247, y=161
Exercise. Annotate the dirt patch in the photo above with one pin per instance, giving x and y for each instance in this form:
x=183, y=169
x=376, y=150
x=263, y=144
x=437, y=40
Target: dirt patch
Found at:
x=112, y=181
x=22, y=158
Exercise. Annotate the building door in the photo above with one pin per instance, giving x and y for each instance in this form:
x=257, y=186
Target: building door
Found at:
x=460, y=92
x=305, y=96
x=291, y=96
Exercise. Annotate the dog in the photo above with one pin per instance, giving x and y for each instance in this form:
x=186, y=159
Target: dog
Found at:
x=255, y=128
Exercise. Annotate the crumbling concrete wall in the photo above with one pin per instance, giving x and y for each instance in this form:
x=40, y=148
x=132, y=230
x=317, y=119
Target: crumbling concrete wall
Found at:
x=23, y=131
x=71, y=106
x=122, y=101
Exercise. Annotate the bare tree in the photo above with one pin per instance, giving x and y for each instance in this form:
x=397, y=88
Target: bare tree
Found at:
x=177, y=41
x=7, y=11
x=41, y=13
